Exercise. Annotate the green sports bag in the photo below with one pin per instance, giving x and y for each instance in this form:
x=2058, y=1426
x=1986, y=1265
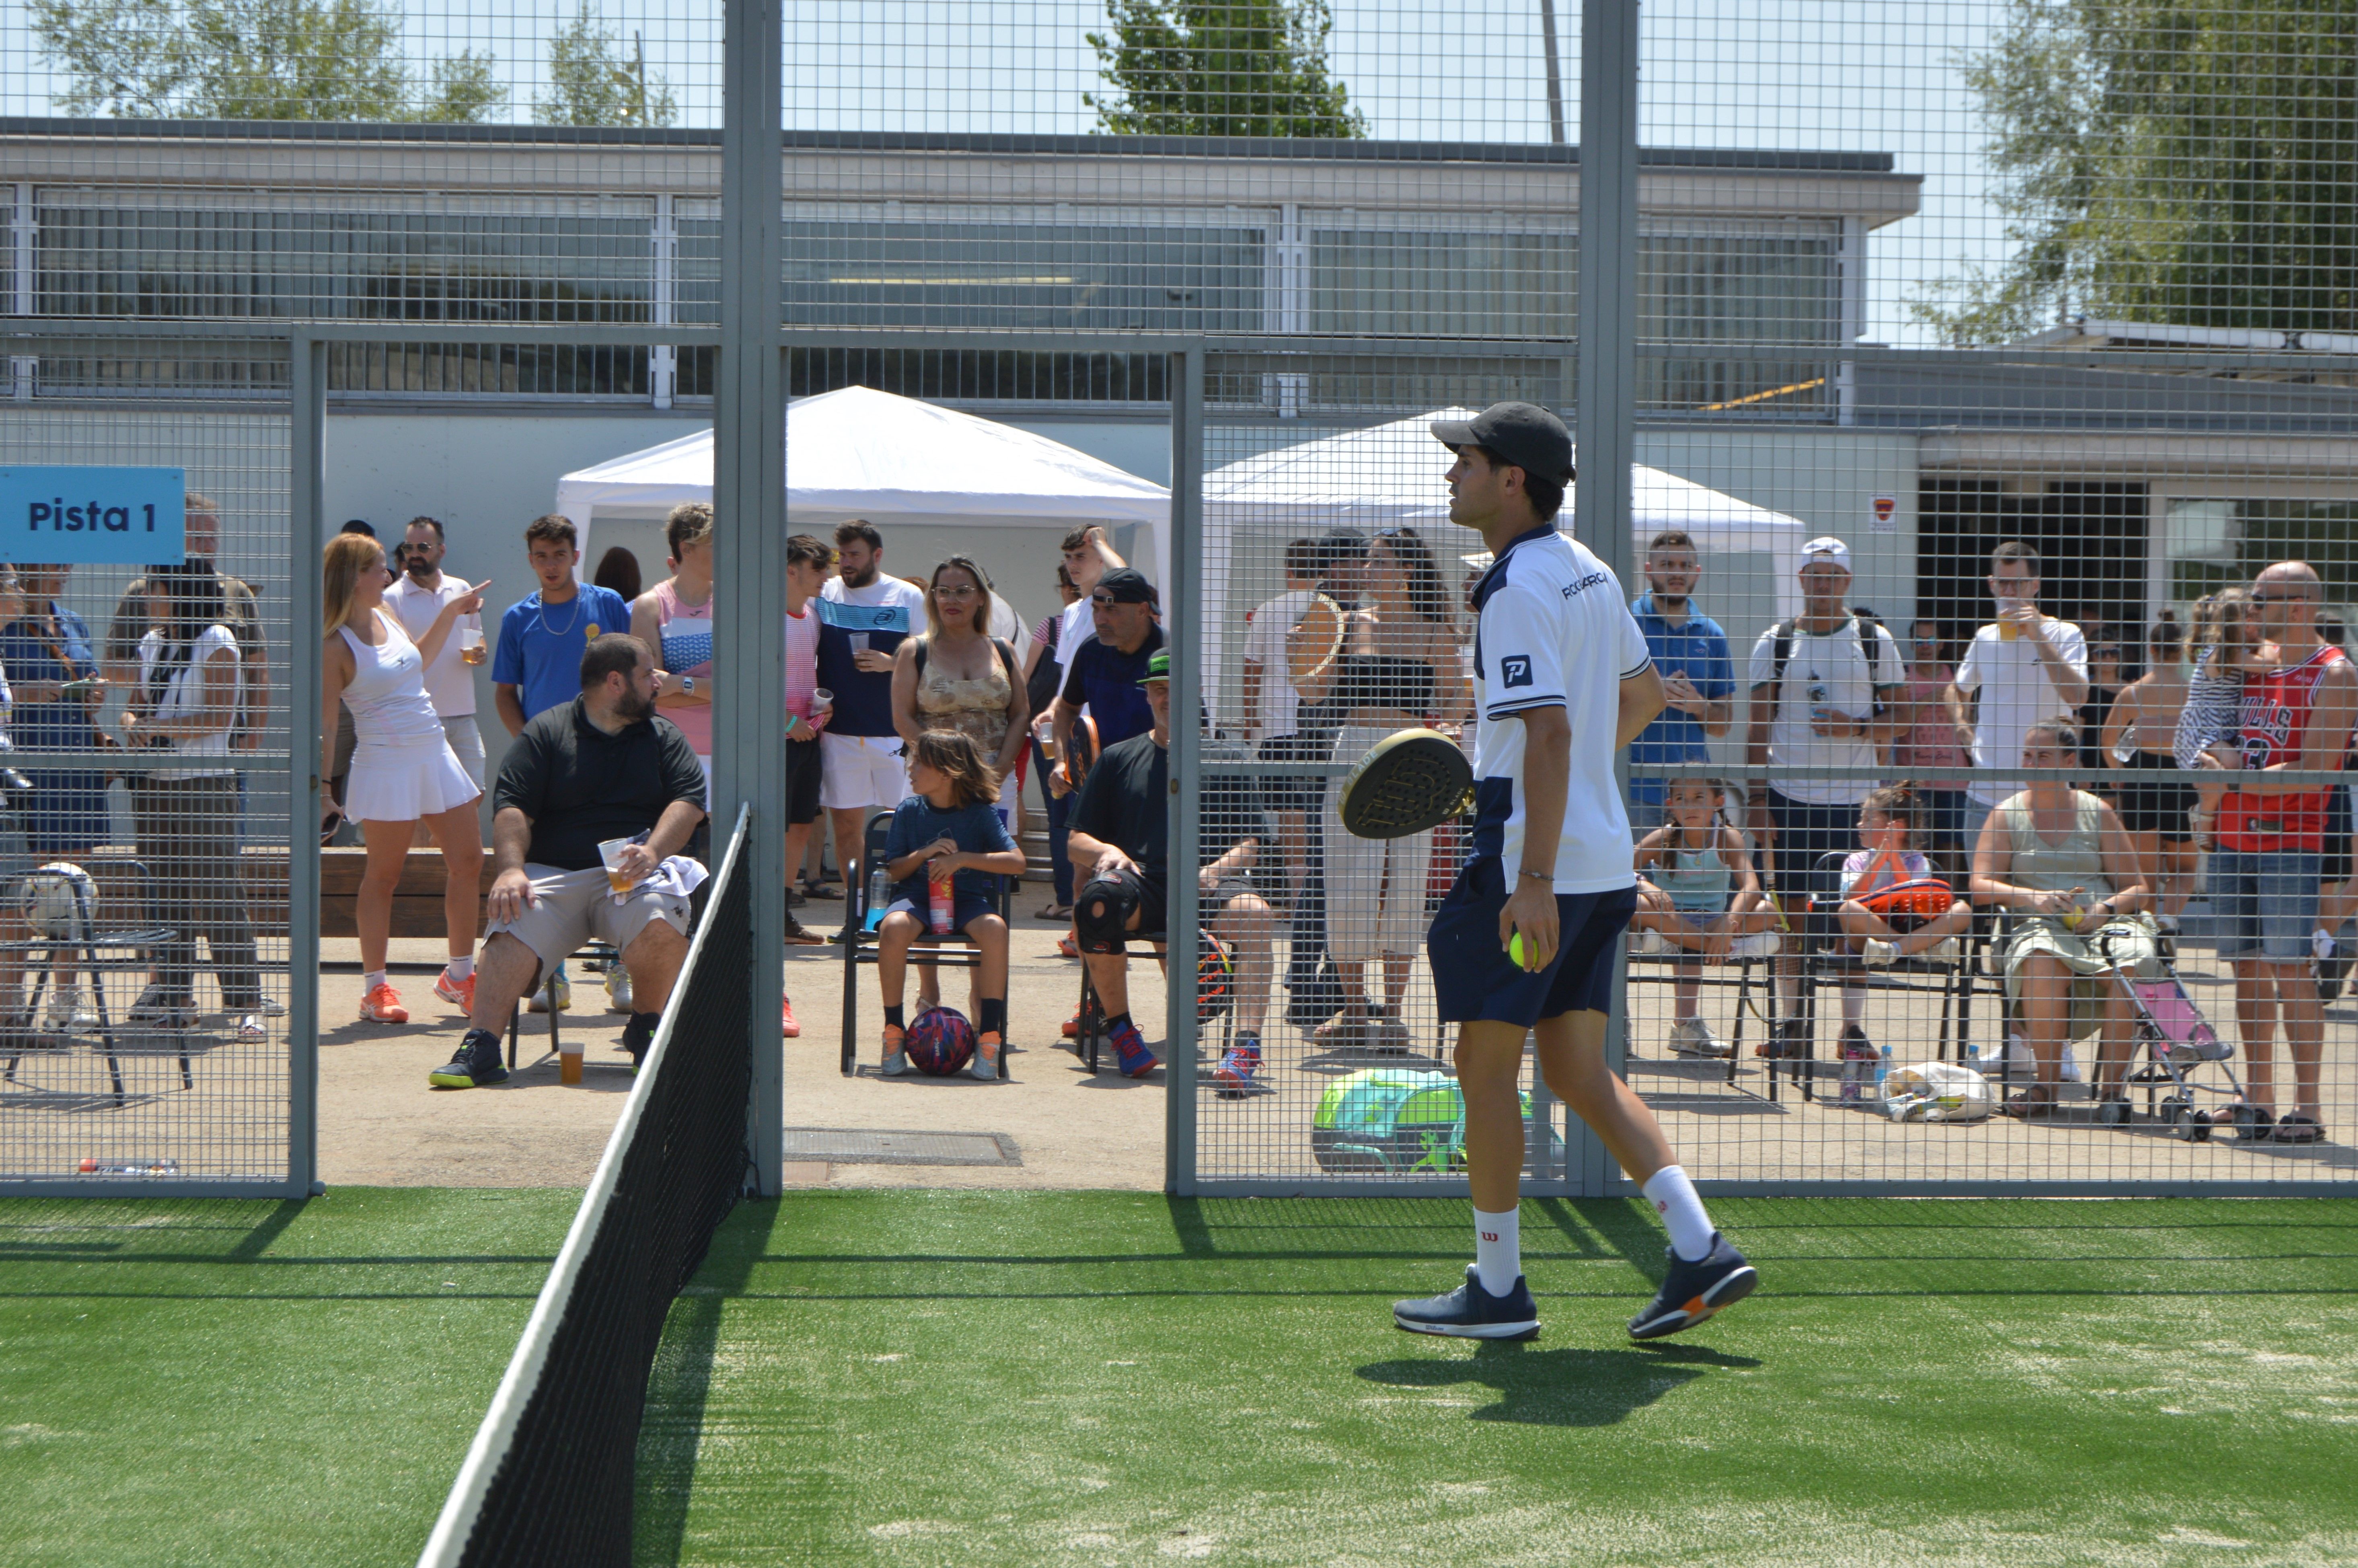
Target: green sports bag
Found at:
x=1395, y=1121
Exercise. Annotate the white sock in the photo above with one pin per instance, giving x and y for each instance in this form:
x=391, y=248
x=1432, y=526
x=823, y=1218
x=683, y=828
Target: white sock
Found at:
x=1674, y=1197
x=1854, y=1004
x=371, y=980
x=1499, y=1249
x=2320, y=942
x=462, y=969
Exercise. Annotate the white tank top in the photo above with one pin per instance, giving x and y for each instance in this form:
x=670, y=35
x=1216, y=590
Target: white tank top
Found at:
x=387, y=691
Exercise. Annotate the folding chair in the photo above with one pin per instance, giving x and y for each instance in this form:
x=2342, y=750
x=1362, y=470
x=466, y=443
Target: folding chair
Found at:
x=949, y=950
x=1662, y=969
x=596, y=958
x=98, y=954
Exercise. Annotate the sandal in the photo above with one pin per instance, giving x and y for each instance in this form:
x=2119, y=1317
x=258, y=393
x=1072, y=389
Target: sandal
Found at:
x=1057, y=912
x=2298, y=1127
x=2036, y=1101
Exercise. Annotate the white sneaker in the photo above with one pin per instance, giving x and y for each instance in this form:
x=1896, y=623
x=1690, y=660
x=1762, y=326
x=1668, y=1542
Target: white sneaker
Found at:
x=1692, y=1037
x=251, y=1027
x=1878, y=953
x=2320, y=942
x=69, y=1011
x=985, y=1065
x=1760, y=945
x=896, y=1064
x=618, y=990
x=538, y=1001
x=1945, y=951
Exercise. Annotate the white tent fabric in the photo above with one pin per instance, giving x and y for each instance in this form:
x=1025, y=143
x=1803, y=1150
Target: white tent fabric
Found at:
x=861, y=453
x=1391, y=476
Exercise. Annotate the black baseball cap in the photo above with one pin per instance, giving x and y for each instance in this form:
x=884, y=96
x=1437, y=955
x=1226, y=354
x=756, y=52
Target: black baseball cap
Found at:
x=1127, y=585
x=1523, y=433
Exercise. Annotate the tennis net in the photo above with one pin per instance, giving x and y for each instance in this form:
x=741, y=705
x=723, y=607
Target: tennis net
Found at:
x=549, y=1479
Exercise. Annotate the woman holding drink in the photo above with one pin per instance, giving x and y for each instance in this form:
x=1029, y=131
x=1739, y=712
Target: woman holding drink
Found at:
x=403, y=771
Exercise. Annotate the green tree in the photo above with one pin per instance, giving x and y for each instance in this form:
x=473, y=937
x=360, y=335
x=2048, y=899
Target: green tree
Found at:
x=2177, y=161
x=1220, y=68
x=254, y=59
x=591, y=84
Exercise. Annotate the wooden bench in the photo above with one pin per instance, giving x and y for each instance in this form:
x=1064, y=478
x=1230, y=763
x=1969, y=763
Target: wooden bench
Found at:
x=417, y=900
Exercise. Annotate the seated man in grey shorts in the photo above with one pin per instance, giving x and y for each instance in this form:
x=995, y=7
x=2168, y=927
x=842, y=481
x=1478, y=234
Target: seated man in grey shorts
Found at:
x=602, y=766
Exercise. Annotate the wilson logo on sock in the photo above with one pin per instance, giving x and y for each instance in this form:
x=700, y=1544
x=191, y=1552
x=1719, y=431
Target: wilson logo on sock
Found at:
x=1490, y=1236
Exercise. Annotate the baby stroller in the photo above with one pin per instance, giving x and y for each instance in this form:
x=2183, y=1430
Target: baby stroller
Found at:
x=2179, y=1042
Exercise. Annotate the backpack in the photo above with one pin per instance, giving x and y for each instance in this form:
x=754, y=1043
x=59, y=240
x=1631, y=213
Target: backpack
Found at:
x=1781, y=654
x=1394, y=1119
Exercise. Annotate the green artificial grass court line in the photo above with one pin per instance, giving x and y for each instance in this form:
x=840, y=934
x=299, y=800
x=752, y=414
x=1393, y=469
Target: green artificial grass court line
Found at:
x=1056, y=1378
x=217, y=1381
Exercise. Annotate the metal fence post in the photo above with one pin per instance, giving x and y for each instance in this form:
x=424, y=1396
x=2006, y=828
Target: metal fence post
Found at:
x=1606, y=391
x=749, y=549
x=1186, y=606
x=307, y=492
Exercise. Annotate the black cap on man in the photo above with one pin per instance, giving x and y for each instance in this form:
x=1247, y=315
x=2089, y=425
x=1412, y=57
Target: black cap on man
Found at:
x=1524, y=434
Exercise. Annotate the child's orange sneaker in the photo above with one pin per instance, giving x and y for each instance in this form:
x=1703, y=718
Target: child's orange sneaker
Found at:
x=987, y=1048
x=896, y=1060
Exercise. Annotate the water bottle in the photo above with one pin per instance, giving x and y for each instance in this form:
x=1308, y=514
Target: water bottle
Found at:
x=92, y=1166
x=1854, y=1081
x=1821, y=699
x=879, y=893
x=937, y=901
x=1882, y=1070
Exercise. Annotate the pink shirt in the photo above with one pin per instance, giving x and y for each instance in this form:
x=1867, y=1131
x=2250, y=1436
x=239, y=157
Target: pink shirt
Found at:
x=802, y=662
x=1931, y=741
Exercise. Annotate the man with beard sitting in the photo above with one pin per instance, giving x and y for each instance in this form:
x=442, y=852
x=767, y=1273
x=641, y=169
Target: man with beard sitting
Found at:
x=602, y=766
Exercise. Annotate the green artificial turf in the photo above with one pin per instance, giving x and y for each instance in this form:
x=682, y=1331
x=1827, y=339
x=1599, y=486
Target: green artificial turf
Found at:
x=212, y=1381
x=1005, y=1378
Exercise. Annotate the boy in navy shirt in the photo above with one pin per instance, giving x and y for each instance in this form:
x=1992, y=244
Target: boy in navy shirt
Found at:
x=949, y=824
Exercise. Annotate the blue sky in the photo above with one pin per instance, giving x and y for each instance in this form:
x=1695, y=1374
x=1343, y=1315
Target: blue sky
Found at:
x=1826, y=74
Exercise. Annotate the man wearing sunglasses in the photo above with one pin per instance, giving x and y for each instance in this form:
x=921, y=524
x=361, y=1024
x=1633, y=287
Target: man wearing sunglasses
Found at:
x=2264, y=875
x=1107, y=672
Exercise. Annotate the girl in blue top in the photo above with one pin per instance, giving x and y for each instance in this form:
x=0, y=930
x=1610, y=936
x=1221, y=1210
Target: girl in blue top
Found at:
x=947, y=825
x=1699, y=899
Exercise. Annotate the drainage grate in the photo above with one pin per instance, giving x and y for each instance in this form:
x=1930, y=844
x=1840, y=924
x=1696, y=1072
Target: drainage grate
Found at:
x=850, y=1148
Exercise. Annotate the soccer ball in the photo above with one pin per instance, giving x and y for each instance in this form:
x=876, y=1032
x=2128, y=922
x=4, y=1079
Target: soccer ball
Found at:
x=939, y=1042
x=56, y=898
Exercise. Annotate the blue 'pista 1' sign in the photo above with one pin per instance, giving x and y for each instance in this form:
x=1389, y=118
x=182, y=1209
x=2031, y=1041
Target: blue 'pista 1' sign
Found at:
x=93, y=517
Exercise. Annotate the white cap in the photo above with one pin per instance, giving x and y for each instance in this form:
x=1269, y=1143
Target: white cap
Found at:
x=1826, y=548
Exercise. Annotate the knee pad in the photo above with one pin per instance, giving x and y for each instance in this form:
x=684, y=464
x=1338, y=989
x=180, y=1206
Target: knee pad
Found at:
x=1101, y=915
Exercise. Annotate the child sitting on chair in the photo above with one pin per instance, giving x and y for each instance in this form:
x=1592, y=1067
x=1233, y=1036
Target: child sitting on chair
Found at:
x=947, y=828
x=1883, y=920
x=1698, y=896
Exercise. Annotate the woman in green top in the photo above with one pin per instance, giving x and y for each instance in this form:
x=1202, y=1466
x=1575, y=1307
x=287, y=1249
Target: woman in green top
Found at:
x=2058, y=861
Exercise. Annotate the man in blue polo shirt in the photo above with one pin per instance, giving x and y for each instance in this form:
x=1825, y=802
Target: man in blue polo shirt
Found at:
x=1107, y=670
x=1698, y=676
x=537, y=664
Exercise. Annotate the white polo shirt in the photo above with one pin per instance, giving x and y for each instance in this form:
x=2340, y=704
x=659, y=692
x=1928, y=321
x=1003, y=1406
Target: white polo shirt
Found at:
x=1553, y=629
x=2016, y=692
x=449, y=679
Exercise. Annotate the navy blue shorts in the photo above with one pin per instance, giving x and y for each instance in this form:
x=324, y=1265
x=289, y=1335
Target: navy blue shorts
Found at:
x=965, y=909
x=1475, y=979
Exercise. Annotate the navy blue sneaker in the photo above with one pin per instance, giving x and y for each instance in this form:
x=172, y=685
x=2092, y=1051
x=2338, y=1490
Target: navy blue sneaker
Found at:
x=1692, y=1291
x=1130, y=1051
x=477, y=1064
x=1469, y=1312
x=638, y=1034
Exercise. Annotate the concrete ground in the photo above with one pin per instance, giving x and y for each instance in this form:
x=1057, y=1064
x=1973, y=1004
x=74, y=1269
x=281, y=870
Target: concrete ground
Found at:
x=1052, y=1124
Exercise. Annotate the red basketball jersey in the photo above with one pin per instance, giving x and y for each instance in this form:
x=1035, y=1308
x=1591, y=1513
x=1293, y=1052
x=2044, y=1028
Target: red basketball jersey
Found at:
x=2277, y=708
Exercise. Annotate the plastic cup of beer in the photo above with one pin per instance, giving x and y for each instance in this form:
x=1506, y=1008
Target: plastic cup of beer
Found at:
x=822, y=700
x=2007, y=629
x=858, y=642
x=611, y=852
x=568, y=1063
x=470, y=645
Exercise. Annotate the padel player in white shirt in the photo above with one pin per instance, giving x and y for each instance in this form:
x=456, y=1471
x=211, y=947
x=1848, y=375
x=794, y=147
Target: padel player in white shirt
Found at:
x=1563, y=680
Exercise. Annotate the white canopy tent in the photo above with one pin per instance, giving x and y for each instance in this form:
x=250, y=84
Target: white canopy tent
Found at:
x=861, y=453
x=1391, y=476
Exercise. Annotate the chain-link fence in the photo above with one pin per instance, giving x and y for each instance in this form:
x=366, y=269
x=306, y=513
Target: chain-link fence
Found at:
x=1929, y=281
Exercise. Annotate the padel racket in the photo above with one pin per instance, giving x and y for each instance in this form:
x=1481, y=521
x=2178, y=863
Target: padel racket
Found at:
x=1406, y=784
x=1080, y=750
x=1313, y=645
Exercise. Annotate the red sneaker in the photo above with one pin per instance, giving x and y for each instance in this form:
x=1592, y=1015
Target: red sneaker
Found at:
x=382, y=1005
x=1064, y=945
x=786, y=1024
x=1071, y=1029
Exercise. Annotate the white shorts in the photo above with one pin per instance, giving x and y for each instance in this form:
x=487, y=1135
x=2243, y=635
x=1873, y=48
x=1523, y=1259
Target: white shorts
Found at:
x=858, y=770
x=467, y=743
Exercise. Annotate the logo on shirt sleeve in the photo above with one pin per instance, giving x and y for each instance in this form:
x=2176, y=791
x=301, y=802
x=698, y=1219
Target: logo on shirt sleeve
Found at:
x=1515, y=669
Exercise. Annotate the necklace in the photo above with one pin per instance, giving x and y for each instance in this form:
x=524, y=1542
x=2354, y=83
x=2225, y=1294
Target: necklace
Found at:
x=540, y=616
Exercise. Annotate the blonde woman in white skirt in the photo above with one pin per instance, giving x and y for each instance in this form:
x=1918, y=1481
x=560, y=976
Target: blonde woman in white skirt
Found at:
x=403, y=771
x=1398, y=669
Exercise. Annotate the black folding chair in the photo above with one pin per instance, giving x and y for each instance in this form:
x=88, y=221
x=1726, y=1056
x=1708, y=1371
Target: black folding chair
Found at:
x=949, y=950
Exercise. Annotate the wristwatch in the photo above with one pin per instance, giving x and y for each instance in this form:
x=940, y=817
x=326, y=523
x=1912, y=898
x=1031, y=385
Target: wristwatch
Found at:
x=688, y=685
